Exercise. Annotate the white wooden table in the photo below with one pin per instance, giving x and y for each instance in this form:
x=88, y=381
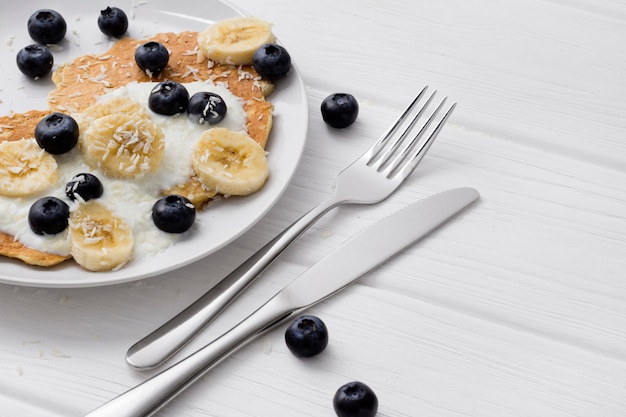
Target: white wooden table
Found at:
x=517, y=308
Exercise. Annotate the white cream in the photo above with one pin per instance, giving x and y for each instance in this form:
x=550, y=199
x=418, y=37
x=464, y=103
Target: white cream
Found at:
x=132, y=200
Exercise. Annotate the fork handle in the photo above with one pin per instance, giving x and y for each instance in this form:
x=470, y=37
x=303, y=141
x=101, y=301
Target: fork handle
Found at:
x=171, y=337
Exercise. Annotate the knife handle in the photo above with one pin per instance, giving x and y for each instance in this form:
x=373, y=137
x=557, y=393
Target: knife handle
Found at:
x=150, y=396
x=171, y=337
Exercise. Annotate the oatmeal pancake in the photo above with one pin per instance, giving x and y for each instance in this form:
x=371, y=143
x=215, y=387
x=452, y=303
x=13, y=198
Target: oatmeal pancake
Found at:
x=13, y=128
x=81, y=81
x=19, y=126
x=11, y=248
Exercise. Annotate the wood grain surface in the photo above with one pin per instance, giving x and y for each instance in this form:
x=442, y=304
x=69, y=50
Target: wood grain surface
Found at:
x=516, y=309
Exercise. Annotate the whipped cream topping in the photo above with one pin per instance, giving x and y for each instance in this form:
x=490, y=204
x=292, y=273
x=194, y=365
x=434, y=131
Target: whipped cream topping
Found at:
x=130, y=199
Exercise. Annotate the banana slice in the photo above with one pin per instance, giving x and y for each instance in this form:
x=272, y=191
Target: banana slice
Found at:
x=25, y=168
x=99, y=240
x=107, y=106
x=234, y=41
x=229, y=162
x=123, y=145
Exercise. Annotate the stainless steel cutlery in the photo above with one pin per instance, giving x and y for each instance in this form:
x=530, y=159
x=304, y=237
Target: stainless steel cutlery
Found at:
x=360, y=254
x=370, y=179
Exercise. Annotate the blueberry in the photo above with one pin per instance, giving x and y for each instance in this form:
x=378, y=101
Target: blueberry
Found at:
x=112, y=21
x=57, y=133
x=84, y=186
x=152, y=57
x=340, y=110
x=35, y=61
x=48, y=215
x=46, y=26
x=355, y=399
x=306, y=336
x=271, y=61
x=205, y=107
x=168, y=97
x=173, y=214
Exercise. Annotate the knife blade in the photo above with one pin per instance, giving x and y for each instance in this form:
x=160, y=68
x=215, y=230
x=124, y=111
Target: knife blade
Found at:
x=360, y=254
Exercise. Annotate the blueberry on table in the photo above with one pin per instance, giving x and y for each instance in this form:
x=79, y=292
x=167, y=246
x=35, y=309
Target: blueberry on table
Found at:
x=84, y=186
x=168, y=98
x=152, y=57
x=206, y=107
x=46, y=26
x=35, y=61
x=173, y=214
x=57, y=133
x=271, y=61
x=340, y=110
x=112, y=21
x=355, y=399
x=306, y=336
x=48, y=216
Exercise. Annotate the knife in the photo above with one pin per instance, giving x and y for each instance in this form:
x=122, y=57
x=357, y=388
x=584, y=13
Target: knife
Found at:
x=357, y=256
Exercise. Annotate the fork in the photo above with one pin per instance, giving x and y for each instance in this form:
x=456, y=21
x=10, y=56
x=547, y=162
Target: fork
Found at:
x=368, y=180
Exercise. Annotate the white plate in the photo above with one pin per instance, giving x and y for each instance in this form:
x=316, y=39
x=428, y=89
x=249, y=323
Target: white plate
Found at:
x=216, y=227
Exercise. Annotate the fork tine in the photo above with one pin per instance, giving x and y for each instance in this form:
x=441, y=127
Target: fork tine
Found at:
x=410, y=162
x=410, y=144
x=382, y=164
x=371, y=154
